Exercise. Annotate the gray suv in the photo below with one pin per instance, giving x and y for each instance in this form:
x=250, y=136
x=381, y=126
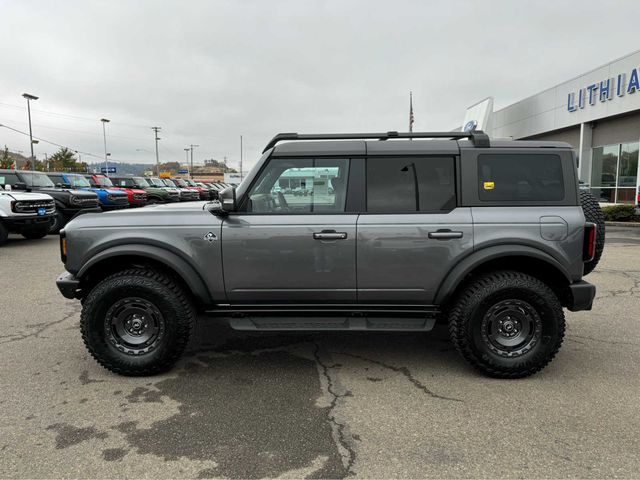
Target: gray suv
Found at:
x=397, y=232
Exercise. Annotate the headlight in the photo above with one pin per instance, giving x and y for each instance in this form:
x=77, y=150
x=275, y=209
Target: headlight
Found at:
x=75, y=200
x=110, y=197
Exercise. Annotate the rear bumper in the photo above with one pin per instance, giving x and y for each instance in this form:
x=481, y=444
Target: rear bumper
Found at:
x=582, y=295
x=68, y=285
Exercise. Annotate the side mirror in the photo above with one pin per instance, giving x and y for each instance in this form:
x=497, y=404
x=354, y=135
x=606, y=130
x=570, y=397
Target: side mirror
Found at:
x=228, y=199
x=19, y=186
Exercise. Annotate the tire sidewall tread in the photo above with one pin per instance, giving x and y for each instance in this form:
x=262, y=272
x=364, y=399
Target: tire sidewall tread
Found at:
x=477, y=295
x=175, y=305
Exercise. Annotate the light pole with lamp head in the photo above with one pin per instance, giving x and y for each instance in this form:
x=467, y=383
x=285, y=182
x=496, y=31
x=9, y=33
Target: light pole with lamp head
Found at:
x=191, y=169
x=104, y=134
x=30, y=97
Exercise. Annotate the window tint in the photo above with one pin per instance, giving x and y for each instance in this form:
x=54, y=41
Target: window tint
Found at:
x=520, y=178
x=397, y=185
x=304, y=185
x=8, y=179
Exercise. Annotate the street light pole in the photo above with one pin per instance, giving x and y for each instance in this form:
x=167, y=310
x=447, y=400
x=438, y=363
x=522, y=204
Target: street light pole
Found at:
x=156, y=129
x=191, y=169
x=104, y=135
x=240, y=157
x=186, y=158
x=30, y=97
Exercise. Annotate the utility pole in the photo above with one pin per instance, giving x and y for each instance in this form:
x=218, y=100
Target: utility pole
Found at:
x=156, y=129
x=191, y=169
x=240, y=157
x=30, y=97
x=104, y=134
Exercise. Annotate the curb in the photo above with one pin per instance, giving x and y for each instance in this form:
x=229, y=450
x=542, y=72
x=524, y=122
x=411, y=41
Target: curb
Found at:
x=623, y=224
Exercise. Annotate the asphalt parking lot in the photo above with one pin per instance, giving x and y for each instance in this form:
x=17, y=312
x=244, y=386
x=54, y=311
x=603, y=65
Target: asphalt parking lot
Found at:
x=315, y=405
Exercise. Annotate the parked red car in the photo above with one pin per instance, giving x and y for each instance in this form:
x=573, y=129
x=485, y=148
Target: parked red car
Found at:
x=136, y=196
x=202, y=192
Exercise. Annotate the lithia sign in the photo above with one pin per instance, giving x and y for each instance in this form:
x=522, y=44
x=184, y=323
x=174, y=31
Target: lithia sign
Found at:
x=604, y=91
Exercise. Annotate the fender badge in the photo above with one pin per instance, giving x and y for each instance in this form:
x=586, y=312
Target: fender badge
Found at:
x=210, y=236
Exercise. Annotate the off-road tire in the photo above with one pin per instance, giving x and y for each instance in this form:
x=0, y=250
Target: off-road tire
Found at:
x=593, y=213
x=479, y=297
x=57, y=224
x=4, y=233
x=36, y=233
x=166, y=296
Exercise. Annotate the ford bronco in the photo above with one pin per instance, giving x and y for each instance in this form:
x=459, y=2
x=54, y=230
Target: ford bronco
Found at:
x=397, y=231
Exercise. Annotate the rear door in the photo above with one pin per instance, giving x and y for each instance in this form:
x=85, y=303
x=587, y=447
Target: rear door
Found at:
x=413, y=232
x=295, y=243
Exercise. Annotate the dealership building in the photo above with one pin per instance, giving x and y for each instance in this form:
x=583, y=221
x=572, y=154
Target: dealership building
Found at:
x=597, y=112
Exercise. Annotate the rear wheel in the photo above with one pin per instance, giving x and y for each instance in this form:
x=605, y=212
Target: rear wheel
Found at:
x=4, y=233
x=593, y=213
x=507, y=324
x=35, y=233
x=137, y=322
x=57, y=223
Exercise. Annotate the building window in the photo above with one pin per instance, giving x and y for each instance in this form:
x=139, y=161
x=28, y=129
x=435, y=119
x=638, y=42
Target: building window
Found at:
x=614, y=173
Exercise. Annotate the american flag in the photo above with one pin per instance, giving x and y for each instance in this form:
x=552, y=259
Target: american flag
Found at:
x=411, y=111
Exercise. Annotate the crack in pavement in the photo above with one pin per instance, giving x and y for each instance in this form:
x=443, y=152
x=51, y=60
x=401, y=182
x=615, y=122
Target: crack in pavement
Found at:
x=339, y=428
x=15, y=337
x=601, y=340
x=407, y=373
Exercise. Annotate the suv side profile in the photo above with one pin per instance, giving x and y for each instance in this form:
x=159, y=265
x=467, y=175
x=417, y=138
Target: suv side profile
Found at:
x=394, y=235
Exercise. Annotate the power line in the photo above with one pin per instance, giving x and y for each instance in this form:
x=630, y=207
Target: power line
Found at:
x=50, y=142
x=67, y=115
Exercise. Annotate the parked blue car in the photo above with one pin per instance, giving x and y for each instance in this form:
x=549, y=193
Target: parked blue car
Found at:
x=109, y=199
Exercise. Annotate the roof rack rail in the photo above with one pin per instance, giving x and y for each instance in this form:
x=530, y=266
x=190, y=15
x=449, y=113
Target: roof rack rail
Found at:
x=478, y=137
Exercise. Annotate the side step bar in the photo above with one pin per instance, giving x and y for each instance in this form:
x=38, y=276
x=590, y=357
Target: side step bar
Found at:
x=408, y=318
x=332, y=324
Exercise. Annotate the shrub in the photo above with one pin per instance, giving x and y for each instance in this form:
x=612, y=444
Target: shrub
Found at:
x=619, y=213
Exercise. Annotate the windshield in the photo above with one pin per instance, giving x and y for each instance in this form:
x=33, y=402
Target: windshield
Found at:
x=169, y=183
x=156, y=182
x=103, y=181
x=36, y=179
x=141, y=182
x=78, y=181
x=180, y=182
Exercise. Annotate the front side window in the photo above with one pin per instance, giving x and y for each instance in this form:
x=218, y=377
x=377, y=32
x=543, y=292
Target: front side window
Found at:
x=140, y=182
x=103, y=182
x=520, y=178
x=405, y=185
x=305, y=185
x=78, y=181
x=36, y=179
x=8, y=179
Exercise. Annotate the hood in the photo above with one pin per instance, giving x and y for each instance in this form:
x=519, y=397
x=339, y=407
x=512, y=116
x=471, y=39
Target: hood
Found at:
x=127, y=189
x=164, y=214
x=21, y=195
x=72, y=191
x=108, y=191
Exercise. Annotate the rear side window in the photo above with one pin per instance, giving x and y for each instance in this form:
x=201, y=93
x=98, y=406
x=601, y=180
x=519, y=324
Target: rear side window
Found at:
x=404, y=185
x=525, y=178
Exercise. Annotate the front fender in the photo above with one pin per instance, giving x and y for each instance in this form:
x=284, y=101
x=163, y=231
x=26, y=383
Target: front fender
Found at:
x=476, y=259
x=189, y=274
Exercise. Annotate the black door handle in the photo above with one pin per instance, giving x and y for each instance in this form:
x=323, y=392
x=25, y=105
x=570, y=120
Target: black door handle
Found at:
x=329, y=235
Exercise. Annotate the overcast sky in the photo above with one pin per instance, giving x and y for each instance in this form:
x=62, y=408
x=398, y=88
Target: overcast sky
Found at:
x=209, y=71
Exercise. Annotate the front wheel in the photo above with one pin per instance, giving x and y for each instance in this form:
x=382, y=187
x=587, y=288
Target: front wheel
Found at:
x=137, y=322
x=35, y=233
x=507, y=324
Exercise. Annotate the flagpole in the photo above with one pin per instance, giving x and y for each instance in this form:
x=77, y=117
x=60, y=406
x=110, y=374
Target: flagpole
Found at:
x=410, y=111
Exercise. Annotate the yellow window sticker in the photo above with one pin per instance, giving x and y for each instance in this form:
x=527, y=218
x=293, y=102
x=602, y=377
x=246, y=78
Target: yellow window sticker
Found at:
x=488, y=185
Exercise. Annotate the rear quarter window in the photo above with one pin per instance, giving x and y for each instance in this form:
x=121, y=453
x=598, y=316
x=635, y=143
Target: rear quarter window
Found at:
x=520, y=178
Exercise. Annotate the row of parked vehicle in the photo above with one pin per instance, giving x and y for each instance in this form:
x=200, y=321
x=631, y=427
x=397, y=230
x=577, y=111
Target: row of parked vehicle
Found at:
x=36, y=203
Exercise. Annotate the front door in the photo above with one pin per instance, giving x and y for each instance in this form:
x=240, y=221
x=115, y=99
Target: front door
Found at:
x=413, y=232
x=293, y=241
